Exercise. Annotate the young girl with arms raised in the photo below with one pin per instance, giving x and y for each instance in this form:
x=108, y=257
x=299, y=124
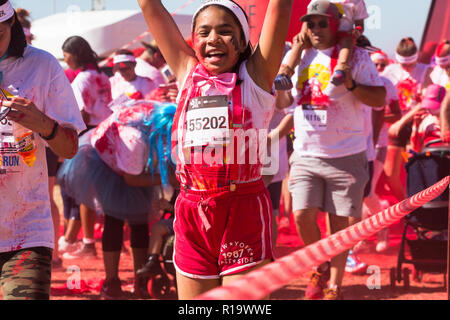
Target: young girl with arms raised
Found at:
x=223, y=213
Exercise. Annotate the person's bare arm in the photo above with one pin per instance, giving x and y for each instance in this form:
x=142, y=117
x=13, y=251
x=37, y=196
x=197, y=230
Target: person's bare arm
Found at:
x=284, y=128
x=177, y=53
x=264, y=64
x=395, y=113
x=24, y=112
x=284, y=99
x=377, y=124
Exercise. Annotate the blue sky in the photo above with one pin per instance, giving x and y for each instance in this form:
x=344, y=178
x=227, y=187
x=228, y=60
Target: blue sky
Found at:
x=390, y=20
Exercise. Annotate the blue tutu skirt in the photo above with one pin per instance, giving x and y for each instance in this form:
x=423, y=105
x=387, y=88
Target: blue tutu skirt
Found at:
x=90, y=181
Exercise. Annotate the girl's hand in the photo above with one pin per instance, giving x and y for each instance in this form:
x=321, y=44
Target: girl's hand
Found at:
x=302, y=41
x=24, y=112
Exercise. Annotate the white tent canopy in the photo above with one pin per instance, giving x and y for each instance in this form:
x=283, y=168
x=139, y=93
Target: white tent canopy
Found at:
x=106, y=31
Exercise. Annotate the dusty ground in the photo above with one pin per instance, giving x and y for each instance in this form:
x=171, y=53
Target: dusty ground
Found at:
x=90, y=272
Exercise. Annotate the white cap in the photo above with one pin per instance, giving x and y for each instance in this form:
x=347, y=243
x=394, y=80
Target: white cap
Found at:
x=6, y=11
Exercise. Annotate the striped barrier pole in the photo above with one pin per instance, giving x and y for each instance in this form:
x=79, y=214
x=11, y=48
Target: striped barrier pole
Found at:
x=263, y=281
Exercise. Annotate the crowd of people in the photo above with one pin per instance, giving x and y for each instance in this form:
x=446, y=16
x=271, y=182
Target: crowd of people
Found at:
x=154, y=130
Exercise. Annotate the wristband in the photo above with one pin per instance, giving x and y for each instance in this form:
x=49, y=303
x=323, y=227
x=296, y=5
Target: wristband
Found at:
x=353, y=86
x=52, y=134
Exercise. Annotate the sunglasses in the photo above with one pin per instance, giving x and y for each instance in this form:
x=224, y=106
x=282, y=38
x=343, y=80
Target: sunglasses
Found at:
x=382, y=65
x=323, y=24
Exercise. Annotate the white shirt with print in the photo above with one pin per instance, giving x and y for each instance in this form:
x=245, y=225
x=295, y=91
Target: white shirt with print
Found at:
x=439, y=76
x=344, y=134
x=25, y=218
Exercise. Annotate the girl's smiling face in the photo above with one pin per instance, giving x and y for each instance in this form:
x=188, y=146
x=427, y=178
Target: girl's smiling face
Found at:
x=217, y=40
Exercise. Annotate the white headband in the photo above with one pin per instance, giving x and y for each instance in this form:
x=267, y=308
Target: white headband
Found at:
x=406, y=60
x=443, y=61
x=6, y=11
x=124, y=58
x=233, y=7
x=376, y=56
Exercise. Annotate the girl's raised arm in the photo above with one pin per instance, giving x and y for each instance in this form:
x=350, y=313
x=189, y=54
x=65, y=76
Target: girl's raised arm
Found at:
x=179, y=56
x=264, y=64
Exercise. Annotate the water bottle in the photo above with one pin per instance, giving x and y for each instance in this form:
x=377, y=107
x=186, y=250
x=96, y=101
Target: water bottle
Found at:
x=25, y=143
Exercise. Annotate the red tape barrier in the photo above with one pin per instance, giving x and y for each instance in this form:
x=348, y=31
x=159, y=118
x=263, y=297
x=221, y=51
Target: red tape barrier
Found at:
x=263, y=281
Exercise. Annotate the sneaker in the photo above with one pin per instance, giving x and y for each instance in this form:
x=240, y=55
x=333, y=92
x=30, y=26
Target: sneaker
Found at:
x=282, y=82
x=65, y=246
x=140, y=288
x=85, y=251
x=354, y=265
x=112, y=289
x=317, y=283
x=333, y=294
x=383, y=240
x=151, y=268
x=338, y=78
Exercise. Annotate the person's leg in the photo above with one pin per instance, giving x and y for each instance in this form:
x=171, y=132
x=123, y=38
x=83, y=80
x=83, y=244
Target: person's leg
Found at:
x=335, y=224
x=111, y=245
x=55, y=216
x=88, y=217
x=306, y=223
x=343, y=63
x=228, y=279
x=275, y=196
x=392, y=169
x=189, y=288
x=72, y=222
x=26, y=274
x=158, y=233
x=139, y=239
x=87, y=249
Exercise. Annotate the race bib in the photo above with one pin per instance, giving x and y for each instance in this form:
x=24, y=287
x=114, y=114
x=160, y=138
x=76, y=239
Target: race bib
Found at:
x=311, y=118
x=207, y=121
x=9, y=158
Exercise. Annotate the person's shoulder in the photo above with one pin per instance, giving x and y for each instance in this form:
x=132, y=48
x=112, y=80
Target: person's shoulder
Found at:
x=41, y=57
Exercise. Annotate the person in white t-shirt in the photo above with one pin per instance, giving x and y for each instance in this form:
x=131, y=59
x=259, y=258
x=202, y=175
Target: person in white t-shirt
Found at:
x=125, y=82
x=392, y=114
x=44, y=103
x=350, y=27
x=150, y=62
x=441, y=72
x=92, y=91
x=91, y=86
x=408, y=76
x=329, y=163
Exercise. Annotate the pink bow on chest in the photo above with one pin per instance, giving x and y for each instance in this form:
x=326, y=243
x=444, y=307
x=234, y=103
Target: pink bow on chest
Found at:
x=224, y=82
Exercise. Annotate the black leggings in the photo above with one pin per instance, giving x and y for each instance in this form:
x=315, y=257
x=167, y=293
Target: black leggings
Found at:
x=113, y=235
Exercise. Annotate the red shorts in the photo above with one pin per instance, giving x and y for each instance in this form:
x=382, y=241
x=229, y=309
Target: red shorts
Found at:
x=224, y=232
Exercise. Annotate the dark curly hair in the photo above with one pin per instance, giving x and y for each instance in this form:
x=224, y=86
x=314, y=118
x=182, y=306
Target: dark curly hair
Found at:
x=81, y=51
